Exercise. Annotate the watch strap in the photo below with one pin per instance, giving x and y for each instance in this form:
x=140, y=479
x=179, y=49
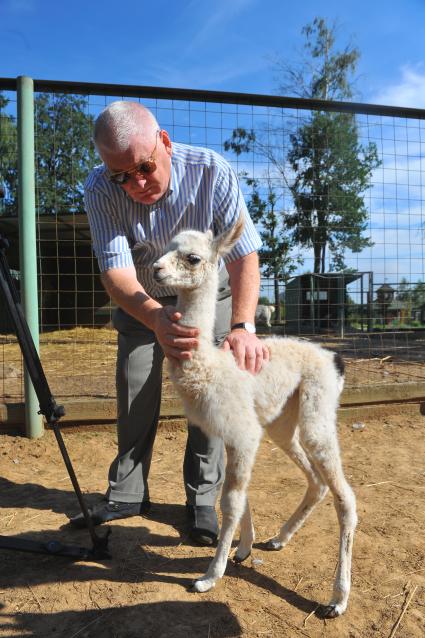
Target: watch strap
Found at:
x=244, y=325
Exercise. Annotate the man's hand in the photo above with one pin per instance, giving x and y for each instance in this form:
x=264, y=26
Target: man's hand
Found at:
x=249, y=352
x=176, y=340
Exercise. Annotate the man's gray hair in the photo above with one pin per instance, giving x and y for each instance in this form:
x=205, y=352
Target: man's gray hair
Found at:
x=119, y=122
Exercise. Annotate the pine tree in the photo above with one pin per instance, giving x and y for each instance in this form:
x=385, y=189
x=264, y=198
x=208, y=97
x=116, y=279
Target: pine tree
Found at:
x=326, y=169
x=332, y=171
x=331, y=168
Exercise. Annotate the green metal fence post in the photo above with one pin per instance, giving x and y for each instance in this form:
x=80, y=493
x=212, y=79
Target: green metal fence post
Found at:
x=27, y=239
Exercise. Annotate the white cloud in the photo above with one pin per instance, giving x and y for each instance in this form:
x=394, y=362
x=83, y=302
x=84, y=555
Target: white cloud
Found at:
x=210, y=75
x=219, y=17
x=408, y=91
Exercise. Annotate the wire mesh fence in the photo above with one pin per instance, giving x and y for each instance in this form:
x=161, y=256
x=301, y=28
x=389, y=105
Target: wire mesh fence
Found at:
x=336, y=192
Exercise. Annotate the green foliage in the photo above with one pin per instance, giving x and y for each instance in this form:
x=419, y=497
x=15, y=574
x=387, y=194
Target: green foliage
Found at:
x=64, y=154
x=8, y=154
x=404, y=292
x=331, y=170
x=418, y=293
x=326, y=169
x=322, y=73
x=275, y=258
x=411, y=294
x=274, y=255
x=242, y=141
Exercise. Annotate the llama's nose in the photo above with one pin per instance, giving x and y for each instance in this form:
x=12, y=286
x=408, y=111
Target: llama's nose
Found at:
x=157, y=267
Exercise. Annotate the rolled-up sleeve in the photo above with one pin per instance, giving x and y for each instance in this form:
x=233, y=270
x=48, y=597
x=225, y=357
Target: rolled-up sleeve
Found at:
x=109, y=239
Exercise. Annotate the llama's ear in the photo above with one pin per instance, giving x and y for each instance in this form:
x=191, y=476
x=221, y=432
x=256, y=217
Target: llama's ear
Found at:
x=225, y=242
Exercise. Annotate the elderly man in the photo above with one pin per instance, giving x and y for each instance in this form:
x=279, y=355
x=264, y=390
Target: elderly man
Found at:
x=146, y=191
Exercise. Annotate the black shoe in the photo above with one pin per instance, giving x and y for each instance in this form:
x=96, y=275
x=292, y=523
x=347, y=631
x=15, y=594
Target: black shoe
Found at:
x=110, y=511
x=203, y=524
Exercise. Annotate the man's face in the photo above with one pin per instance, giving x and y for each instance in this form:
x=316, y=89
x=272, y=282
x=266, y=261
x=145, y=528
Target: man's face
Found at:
x=144, y=188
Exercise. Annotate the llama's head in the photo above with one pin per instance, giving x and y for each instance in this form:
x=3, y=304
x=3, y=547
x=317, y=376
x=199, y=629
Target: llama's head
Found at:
x=192, y=255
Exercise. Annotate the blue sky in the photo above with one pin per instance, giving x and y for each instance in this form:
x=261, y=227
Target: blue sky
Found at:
x=230, y=45
x=223, y=45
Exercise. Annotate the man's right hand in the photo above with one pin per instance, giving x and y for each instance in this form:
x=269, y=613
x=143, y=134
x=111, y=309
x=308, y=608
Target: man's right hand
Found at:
x=177, y=341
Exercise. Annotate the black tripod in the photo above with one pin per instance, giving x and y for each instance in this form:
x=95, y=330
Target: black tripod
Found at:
x=52, y=413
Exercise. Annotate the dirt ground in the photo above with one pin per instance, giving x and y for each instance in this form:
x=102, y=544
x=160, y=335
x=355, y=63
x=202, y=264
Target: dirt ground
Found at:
x=144, y=590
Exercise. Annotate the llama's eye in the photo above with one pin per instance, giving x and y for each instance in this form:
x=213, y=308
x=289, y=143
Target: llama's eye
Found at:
x=193, y=259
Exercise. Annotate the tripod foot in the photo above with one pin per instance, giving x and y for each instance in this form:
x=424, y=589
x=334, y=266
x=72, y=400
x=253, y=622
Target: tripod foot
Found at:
x=100, y=546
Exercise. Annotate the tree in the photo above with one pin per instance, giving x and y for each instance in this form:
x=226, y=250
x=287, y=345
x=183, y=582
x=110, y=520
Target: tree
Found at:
x=331, y=172
x=331, y=168
x=64, y=154
x=326, y=169
x=418, y=293
x=404, y=290
x=275, y=258
x=8, y=156
x=322, y=73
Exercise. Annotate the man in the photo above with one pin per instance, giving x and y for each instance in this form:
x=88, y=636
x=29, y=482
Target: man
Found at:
x=148, y=190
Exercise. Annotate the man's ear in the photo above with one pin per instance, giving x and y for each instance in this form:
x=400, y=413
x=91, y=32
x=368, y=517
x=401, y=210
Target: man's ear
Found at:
x=165, y=139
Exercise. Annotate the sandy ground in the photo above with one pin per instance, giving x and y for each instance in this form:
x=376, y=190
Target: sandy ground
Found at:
x=143, y=591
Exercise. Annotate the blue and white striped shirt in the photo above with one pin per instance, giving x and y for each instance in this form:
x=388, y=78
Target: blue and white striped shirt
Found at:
x=204, y=193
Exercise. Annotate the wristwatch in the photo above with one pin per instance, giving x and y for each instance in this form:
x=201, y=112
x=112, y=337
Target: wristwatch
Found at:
x=245, y=325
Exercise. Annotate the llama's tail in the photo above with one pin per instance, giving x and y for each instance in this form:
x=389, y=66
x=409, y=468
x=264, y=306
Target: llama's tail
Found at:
x=340, y=369
x=339, y=364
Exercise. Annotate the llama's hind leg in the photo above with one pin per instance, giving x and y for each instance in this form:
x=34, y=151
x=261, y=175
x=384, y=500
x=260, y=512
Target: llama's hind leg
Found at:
x=284, y=432
x=320, y=440
x=233, y=506
x=316, y=491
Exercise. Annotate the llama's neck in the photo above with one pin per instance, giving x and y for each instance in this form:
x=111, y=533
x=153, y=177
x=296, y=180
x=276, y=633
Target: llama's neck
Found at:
x=198, y=307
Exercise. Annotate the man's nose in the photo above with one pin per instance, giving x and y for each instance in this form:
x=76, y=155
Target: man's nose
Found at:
x=137, y=179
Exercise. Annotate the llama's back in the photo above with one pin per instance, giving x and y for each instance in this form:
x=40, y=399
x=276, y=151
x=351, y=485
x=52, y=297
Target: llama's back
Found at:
x=211, y=382
x=294, y=363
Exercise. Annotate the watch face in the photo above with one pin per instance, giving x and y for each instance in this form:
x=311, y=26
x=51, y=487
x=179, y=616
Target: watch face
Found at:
x=249, y=327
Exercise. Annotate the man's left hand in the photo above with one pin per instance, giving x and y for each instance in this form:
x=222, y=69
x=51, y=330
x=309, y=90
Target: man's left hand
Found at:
x=249, y=351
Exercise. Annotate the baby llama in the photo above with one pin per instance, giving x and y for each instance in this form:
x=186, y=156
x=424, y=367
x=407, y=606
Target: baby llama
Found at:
x=295, y=397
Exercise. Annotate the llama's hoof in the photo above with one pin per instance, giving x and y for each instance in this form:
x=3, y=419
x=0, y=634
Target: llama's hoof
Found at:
x=202, y=585
x=239, y=557
x=330, y=611
x=274, y=545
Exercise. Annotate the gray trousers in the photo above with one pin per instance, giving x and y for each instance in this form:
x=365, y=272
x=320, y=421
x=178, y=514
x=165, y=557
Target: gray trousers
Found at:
x=138, y=380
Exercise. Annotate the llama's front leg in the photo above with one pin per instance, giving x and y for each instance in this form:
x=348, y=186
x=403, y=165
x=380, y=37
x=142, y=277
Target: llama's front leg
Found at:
x=247, y=536
x=233, y=500
x=233, y=505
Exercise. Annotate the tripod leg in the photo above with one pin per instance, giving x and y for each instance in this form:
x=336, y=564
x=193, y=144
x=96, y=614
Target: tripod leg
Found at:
x=48, y=406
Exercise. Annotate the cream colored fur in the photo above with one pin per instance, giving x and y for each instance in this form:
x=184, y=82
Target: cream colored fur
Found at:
x=295, y=396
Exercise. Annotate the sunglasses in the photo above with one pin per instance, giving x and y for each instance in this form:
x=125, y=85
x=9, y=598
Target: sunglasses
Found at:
x=146, y=167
